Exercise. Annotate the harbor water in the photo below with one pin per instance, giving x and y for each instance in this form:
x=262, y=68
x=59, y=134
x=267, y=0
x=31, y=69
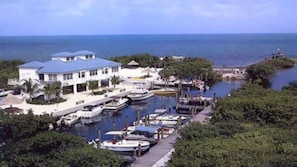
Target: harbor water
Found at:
x=105, y=121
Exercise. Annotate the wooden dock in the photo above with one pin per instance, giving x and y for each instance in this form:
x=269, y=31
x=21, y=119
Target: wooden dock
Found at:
x=80, y=106
x=187, y=107
x=158, y=155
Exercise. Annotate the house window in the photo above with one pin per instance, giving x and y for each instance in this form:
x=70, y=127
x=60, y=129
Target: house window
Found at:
x=115, y=69
x=81, y=74
x=67, y=76
x=93, y=72
x=89, y=56
x=52, y=77
x=105, y=71
x=70, y=58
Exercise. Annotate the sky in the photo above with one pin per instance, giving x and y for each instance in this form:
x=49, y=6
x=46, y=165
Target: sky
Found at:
x=89, y=17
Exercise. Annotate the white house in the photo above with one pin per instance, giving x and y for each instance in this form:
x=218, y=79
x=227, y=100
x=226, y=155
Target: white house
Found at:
x=232, y=72
x=72, y=69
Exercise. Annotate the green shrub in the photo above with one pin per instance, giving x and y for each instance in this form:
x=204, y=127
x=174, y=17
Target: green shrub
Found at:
x=45, y=102
x=100, y=92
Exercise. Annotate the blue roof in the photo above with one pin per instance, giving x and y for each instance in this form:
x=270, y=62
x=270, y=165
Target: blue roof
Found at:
x=62, y=54
x=58, y=66
x=32, y=64
x=84, y=52
x=78, y=53
x=146, y=129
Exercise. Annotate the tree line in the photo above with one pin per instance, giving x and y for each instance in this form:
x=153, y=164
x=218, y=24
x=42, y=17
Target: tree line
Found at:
x=9, y=69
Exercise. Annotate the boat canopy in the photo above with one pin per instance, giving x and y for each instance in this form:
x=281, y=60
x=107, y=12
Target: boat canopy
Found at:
x=146, y=129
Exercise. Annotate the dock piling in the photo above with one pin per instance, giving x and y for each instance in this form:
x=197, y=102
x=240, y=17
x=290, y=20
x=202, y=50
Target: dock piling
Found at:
x=159, y=134
x=139, y=150
x=113, y=125
x=138, y=117
x=99, y=138
x=126, y=121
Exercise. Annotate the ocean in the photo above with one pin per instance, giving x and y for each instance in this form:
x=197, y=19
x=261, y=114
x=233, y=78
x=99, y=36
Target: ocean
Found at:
x=221, y=49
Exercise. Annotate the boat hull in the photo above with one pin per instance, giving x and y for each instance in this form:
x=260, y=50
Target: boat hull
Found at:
x=91, y=113
x=122, y=147
x=140, y=97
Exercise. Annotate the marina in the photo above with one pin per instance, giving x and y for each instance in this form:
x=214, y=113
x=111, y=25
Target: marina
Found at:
x=134, y=113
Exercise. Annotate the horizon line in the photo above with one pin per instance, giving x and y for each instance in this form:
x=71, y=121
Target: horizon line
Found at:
x=153, y=34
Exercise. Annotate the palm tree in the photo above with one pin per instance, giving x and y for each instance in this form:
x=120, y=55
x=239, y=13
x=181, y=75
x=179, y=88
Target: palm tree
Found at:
x=57, y=89
x=165, y=74
x=115, y=80
x=93, y=84
x=49, y=90
x=30, y=87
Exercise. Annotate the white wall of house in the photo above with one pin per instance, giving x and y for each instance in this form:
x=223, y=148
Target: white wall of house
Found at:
x=27, y=73
x=79, y=80
x=59, y=58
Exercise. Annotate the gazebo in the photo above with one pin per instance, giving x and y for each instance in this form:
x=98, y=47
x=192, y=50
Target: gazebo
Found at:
x=133, y=64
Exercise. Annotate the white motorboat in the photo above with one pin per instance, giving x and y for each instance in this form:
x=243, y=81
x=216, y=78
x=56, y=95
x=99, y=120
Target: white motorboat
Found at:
x=90, y=111
x=123, y=145
x=165, y=91
x=153, y=116
x=166, y=130
x=69, y=119
x=184, y=100
x=91, y=120
x=143, y=133
x=170, y=117
x=163, y=119
x=140, y=94
x=5, y=92
x=116, y=104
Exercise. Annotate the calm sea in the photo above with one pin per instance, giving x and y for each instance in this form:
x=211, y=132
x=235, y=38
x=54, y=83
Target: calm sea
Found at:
x=222, y=49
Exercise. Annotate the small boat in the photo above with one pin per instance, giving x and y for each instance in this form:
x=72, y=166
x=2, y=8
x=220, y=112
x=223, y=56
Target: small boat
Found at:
x=116, y=104
x=90, y=111
x=152, y=116
x=167, y=120
x=92, y=120
x=143, y=133
x=140, y=94
x=157, y=128
x=183, y=100
x=123, y=145
x=69, y=119
x=165, y=91
x=5, y=92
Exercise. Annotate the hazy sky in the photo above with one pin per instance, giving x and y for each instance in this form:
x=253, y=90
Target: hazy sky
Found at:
x=78, y=17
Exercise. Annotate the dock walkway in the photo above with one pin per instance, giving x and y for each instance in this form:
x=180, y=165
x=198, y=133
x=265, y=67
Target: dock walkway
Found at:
x=159, y=155
x=78, y=107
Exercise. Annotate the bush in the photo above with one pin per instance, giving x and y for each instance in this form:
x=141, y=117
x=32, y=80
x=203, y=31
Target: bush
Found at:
x=100, y=92
x=39, y=101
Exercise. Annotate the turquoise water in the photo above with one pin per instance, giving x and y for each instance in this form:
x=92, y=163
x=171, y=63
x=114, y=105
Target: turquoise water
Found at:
x=222, y=49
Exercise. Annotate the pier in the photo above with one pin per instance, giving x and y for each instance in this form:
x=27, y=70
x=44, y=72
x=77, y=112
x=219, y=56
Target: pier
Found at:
x=160, y=154
x=80, y=105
